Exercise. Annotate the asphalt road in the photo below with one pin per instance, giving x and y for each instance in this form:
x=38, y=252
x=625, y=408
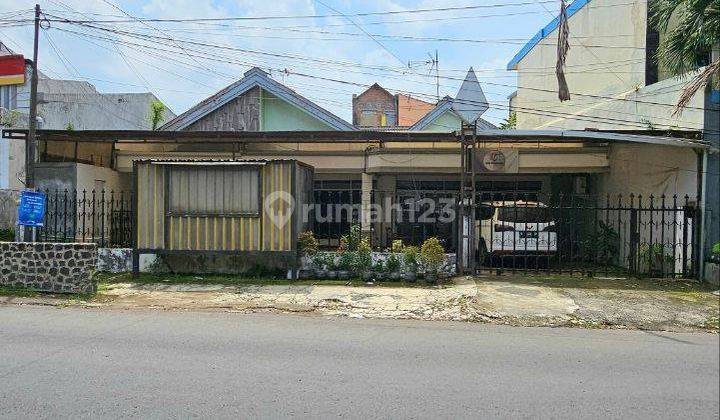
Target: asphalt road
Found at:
x=110, y=364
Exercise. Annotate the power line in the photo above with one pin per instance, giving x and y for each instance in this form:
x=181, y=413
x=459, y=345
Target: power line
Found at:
x=632, y=123
x=363, y=14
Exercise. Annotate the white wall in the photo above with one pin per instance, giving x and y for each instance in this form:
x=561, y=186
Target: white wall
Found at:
x=613, y=76
x=650, y=169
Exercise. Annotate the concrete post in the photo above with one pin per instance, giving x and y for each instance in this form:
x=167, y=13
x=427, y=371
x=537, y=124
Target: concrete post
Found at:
x=386, y=186
x=366, y=204
x=711, y=187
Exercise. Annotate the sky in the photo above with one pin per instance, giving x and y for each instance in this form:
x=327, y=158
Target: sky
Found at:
x=326, y=50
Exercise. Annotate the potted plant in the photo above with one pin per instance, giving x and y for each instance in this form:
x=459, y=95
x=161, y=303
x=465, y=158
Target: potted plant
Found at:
x=332, y=266
x=379, y=270
x=346, y=263
x=432, y=255
x=410, y=263
x=320, y=262
x=397, y=246
x=363, y=260
x=392, y=266
x=307, y=249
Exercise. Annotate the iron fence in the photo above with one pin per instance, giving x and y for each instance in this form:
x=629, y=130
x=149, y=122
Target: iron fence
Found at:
x=514, y=231
x=565, y=233
x=103, y=217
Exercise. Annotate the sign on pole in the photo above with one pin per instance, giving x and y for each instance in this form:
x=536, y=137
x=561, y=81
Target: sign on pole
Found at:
x=31, y=210
x=12, y=70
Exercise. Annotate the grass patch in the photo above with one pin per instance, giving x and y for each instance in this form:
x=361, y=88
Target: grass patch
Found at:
x=107, y=280
x=28, y=293
x=17, y=292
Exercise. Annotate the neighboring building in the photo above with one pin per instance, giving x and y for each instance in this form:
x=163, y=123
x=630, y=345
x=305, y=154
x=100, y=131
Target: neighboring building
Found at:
x=410, y=110
x=65, y=104
x=616, y=84
x=376, y=108
x=614, y=79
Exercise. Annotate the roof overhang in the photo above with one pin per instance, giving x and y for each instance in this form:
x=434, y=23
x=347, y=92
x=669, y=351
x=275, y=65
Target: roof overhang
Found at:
x=677, y=138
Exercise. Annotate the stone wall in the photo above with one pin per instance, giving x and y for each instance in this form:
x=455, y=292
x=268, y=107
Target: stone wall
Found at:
x=48, y=267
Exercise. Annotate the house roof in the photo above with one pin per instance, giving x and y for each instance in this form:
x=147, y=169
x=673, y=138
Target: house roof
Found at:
x=377, y=87
x=544, y=32
x=443, y=106
x=256, y=77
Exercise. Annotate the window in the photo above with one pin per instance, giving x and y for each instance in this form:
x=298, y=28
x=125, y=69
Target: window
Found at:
x=231, y=190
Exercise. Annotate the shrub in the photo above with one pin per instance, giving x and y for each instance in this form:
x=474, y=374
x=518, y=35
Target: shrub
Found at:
x=324, y=260
x=432, y=254
x=7, y=235
x=307, y=244
x=363, y=258
x=397, y=246
x=346, y=261
x=351, y=241
x=392, y=264
x=716, y=248
x=410, y=258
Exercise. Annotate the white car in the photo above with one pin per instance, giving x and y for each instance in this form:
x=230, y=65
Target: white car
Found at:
x=521, y=228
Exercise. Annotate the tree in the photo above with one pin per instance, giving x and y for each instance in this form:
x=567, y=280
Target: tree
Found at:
x=510, y=123
x=157, y=113
x=691, y=28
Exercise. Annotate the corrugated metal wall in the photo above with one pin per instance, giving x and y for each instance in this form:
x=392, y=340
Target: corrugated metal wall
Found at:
x=210, y=208
x=278, y=178
x=150, y=206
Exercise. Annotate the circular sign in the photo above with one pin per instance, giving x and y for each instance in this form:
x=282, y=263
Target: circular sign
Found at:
x=494, y=161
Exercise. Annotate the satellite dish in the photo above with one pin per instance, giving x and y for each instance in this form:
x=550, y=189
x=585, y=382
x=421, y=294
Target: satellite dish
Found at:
x=470, y=102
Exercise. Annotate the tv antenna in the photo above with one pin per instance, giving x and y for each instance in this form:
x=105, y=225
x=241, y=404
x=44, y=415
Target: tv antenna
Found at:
x=432, y=63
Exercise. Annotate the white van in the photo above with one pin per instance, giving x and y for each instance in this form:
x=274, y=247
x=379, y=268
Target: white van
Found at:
x=521, y=228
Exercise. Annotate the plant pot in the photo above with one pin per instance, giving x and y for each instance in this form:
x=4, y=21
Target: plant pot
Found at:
x=321, y=273
x=343, y=275
x=368, y=275
x=305, y=273
x=394, y=276
x=332, y=274
x=431, y=277
x=409, y=277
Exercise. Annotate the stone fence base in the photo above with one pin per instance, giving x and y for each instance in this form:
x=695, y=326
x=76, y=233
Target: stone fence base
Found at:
x=49, y=267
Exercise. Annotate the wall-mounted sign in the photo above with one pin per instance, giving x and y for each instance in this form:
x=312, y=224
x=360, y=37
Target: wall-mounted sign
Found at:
x=12, y=70
x=31, y=210
x=496, y=161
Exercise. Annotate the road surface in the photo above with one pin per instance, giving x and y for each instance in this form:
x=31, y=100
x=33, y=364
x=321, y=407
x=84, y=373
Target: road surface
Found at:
x=83, y=363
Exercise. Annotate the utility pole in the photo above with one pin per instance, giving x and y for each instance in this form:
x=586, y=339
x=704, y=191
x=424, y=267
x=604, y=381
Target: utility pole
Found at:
x=437, y=76
x=30, y=142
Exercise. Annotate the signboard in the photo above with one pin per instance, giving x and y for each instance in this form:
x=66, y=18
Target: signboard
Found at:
x=12, y=70
x=31, y=211
x=496, y=161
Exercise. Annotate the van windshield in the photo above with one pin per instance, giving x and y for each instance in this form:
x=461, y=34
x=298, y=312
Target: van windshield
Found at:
x=517, y=214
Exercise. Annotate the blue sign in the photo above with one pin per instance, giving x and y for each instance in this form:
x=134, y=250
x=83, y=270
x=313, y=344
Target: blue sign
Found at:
x=31, y=211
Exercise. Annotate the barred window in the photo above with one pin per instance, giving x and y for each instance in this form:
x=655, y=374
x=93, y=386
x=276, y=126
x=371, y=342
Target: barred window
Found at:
x=214, y=191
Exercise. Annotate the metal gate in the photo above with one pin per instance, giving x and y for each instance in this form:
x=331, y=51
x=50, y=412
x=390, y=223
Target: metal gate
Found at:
x=644, y=236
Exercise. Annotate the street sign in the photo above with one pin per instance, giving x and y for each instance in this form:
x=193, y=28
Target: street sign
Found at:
x=12, y=70
x=31, y=210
